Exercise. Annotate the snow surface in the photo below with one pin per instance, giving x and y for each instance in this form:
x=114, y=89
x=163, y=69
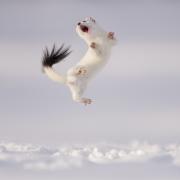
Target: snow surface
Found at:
x=33, y=157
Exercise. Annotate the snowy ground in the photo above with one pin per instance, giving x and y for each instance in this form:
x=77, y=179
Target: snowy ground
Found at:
x=91, y=161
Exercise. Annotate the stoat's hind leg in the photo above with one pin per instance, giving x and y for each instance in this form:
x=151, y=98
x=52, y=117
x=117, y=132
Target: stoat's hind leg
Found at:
x=80, y=70
x=86, y=101
x=77, y=92
x=77, y=71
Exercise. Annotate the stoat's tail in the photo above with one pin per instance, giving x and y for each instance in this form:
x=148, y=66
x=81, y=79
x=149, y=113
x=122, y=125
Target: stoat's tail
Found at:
x=51, y=58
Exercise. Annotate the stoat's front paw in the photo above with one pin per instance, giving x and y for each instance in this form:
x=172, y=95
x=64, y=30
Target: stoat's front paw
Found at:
x=110, y=35
x=93, y=45
x=81, y=70
x=112, y=38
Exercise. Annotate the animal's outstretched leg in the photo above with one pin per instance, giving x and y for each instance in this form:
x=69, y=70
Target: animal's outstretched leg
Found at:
x=79, y=99
x=86, y=101
x=110, y=35
x=77, y=93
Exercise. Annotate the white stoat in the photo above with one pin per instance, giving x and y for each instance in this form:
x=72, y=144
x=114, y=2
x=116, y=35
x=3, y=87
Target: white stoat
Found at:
x=99, y=44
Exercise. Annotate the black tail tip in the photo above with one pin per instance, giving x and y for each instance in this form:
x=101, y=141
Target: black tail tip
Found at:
x=55, y=55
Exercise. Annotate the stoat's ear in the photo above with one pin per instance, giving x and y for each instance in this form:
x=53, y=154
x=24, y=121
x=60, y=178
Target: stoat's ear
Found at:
x=91, y=19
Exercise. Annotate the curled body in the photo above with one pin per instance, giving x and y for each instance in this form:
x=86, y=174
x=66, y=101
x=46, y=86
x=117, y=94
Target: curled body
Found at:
x=77, y=78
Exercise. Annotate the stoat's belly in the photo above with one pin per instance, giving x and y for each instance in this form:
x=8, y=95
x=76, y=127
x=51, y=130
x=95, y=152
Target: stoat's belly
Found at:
x=93, y=66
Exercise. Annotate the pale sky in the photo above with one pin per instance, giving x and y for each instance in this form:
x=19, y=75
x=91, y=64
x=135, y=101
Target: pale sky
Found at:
x=136, y=96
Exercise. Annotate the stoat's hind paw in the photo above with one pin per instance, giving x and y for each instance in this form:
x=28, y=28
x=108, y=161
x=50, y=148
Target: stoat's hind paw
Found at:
x=81, y=70
x=86, y=101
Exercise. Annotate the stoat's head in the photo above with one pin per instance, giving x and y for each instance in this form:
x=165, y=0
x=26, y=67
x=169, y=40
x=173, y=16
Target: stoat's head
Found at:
x=89, y=30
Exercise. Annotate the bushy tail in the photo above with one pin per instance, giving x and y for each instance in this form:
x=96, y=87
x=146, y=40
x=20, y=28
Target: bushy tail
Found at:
x=51, y=58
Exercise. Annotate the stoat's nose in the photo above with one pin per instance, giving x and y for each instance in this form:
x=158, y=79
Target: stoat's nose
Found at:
x=79, y=24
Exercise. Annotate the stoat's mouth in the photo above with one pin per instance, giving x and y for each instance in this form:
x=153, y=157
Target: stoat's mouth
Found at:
x=84, y=28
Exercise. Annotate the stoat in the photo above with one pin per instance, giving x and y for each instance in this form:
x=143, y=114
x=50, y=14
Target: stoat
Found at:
x=99, y=44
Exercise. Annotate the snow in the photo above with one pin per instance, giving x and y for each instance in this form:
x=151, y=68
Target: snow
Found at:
x=36, y=157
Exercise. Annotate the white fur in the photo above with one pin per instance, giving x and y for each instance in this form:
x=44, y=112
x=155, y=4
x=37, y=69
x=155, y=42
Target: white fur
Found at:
x=54, y=76
x=77, y=77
